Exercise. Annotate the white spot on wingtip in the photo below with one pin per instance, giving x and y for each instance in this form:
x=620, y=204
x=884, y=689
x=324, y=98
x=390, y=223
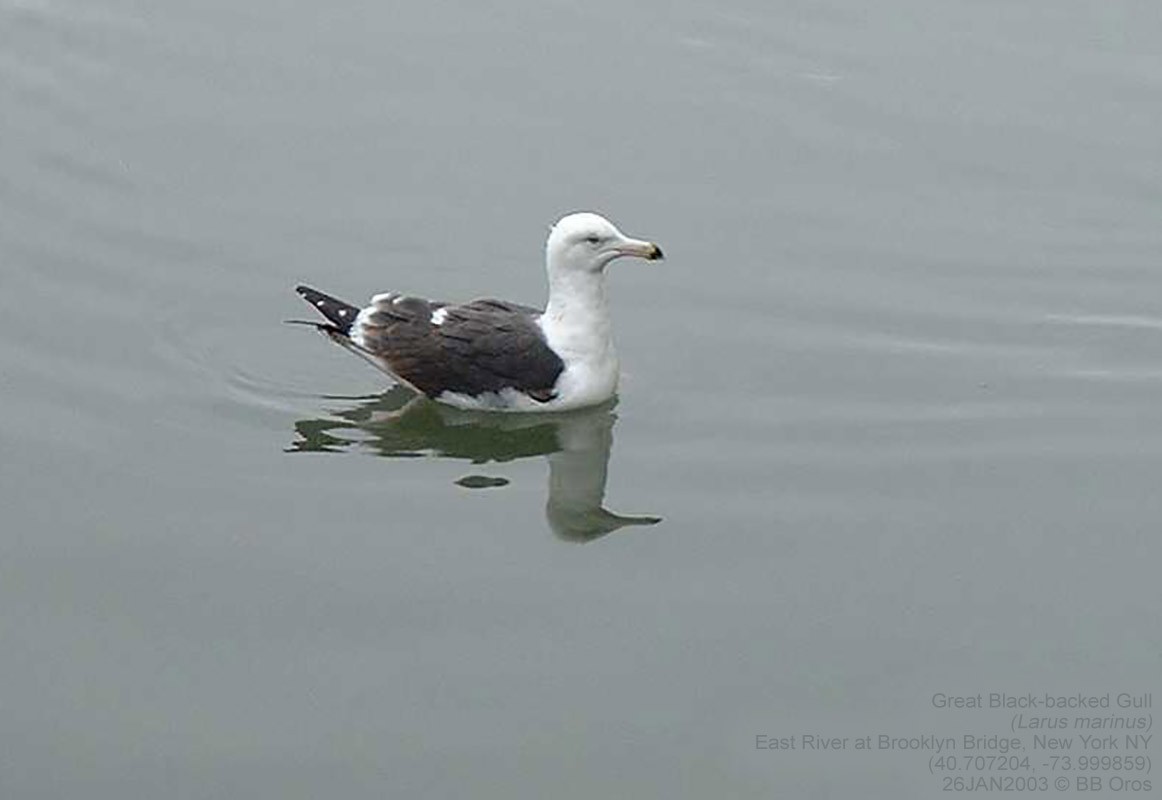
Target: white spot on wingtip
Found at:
x=342, y=312
x=320, y=303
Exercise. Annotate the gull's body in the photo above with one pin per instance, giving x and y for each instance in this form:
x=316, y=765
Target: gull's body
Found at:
x=495, y=355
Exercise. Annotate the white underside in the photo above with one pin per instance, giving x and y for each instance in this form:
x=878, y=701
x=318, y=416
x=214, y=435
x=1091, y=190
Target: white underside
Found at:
x=504, y=400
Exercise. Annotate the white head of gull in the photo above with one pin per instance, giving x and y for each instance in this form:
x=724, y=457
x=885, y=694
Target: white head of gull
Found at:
x=496, y=355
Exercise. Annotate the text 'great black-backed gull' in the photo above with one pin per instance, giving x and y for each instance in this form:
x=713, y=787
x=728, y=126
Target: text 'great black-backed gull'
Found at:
x=495, y=355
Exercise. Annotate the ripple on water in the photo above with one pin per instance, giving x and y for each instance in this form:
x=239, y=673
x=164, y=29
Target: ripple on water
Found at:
x=253, y=366
x=1118, y=348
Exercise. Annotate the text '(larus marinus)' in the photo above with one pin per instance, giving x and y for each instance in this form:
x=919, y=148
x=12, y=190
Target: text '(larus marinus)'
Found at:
x=493, y=354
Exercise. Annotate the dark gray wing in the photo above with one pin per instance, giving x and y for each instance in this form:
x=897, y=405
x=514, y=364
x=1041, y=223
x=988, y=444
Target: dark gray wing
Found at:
x=478, y=347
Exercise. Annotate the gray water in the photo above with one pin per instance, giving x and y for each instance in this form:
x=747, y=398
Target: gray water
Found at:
x=895, y=396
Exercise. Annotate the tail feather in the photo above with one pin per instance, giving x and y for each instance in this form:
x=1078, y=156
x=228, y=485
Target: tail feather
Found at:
x=341, y=315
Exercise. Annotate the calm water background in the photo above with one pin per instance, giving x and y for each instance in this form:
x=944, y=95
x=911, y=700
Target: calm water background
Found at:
x=896, y=393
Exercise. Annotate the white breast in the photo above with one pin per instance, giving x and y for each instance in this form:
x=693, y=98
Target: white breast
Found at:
x=591, y=366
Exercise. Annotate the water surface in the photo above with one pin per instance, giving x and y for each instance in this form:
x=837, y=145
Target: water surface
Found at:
x=894, y=395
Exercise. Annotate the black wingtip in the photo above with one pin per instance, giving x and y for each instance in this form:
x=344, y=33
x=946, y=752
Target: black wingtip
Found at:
x=341, y=315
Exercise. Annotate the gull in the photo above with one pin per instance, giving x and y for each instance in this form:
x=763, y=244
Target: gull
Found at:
x=496, y=355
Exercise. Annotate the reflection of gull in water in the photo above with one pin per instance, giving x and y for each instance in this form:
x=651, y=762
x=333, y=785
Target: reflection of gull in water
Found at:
x=577, y=479
x=577, y=446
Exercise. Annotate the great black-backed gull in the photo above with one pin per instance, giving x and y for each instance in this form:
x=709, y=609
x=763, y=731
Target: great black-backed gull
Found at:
x=493, y=354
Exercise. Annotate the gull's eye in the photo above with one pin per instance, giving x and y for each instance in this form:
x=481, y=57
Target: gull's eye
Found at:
x=593, y=238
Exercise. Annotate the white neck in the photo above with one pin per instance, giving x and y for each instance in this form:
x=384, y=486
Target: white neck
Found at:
x=576, y=319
